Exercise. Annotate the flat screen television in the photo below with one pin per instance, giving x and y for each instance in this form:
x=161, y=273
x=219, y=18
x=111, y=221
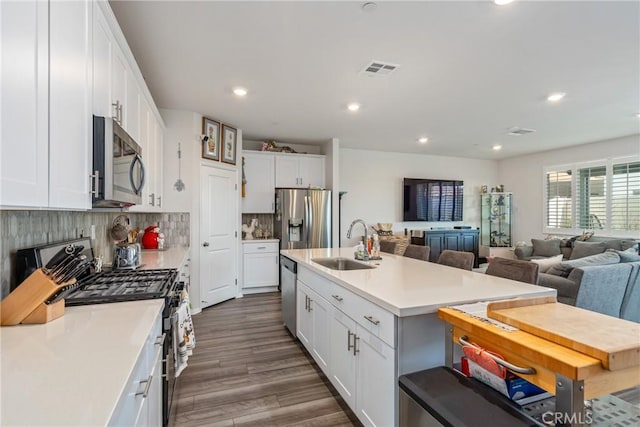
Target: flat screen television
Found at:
x=432, y=200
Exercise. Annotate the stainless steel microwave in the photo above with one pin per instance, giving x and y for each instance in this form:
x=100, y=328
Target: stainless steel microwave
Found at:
x=117, y=165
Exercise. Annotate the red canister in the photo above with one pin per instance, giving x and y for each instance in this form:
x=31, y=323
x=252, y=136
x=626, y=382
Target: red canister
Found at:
x=150, y=237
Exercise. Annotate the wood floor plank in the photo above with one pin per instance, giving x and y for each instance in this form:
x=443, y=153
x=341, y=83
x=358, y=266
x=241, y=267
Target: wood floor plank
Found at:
x=248, y=370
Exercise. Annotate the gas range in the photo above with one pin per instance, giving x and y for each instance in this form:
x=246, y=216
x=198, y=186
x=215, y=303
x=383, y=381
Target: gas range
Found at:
x=123, y=285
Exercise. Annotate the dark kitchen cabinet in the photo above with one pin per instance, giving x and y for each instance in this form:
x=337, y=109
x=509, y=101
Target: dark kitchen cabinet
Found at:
x=455, y=240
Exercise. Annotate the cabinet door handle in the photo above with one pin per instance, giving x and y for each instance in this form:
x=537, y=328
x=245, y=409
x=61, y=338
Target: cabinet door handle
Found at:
x=115, y=106
x=349, y=333
x=310, y=308
x=120, y=116
x=95, y=184
x=160, y=339
x=152, y=199
x=355, y=344
x=306, y=303
x=159, y=201
x=147, y=386
x=372, y=320
x=337, y=297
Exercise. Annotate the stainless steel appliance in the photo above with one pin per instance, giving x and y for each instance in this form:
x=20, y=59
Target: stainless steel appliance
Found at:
x=288, y=274
x=119, y=173
x=126, y=256
x=303, y=218
x=117, y=286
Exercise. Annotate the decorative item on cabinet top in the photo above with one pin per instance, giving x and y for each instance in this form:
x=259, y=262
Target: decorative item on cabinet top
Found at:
x=179, y=184
x=270, y=145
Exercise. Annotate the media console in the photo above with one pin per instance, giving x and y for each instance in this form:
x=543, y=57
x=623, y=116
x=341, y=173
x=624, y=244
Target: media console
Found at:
x=465, y=240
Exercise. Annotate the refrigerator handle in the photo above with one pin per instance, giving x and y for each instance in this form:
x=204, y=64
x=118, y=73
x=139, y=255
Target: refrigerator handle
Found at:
x=307, y=220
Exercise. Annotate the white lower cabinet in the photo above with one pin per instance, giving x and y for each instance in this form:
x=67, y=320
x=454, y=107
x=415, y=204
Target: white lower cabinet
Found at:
x=261, y=262
x=141, y=402
x=351, y=353
x=314, y=314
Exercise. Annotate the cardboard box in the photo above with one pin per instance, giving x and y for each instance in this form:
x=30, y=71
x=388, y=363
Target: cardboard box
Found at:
x=513, y=386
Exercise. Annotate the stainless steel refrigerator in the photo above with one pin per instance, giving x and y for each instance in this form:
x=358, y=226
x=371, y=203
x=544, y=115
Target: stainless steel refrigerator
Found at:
x=303, y=218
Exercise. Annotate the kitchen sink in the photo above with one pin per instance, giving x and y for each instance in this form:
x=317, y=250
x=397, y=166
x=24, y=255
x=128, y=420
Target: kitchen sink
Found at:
x=341, y=264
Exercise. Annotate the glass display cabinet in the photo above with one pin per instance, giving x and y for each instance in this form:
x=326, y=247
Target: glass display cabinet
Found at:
x=495, y=230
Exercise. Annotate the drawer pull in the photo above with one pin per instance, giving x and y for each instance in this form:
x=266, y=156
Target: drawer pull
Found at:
x=526, y=371
x=262, y=247
x=372, y=320
x=147, y=386
x=337, y=297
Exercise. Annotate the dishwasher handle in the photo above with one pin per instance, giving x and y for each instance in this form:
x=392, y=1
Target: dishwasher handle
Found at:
x=290, y=265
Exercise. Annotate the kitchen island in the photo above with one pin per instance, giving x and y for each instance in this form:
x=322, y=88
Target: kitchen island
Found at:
x=77, y=370
x=367, y=327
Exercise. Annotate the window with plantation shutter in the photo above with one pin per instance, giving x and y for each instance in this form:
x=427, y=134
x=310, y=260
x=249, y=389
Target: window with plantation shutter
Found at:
x=558, y=197
x=591, y=203
x=603, y=196
x=625, y=196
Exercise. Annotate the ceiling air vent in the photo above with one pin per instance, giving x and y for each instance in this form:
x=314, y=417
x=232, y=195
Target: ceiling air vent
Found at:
x=517, y=131
x=379, y=68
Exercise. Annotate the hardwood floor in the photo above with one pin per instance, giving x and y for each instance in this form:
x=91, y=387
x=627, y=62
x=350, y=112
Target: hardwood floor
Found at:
x=248, y=370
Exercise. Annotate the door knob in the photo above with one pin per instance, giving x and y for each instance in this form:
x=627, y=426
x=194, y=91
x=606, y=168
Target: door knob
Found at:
x=205, y=244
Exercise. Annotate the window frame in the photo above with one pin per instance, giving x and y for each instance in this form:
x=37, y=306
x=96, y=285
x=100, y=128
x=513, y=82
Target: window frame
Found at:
x=574, y=167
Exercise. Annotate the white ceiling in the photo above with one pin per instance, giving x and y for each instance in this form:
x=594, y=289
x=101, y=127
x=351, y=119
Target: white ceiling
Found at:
x=468, y=72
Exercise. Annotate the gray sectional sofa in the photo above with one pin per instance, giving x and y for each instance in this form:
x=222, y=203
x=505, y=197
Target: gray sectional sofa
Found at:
x=599, y=274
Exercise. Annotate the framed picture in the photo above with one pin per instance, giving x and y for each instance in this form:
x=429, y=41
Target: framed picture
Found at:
x=229, y=136
x=211, y=139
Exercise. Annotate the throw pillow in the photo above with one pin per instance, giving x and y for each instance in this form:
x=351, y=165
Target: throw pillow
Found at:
x=583, y=249
x=613, y=244
x=630, y=255
x=545, y=263
x=546, y=248
x=628, y=244
x=586, y=235
x=563, y=269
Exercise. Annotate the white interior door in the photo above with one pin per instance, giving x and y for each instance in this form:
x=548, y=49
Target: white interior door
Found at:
x=218, y=235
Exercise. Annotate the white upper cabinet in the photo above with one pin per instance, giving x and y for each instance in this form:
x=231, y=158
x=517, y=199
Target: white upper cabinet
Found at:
x=70, y=123
x=24, y=143
x=131, y=107
x=102, y=65
x=259, y=171
x=151, y=142
x=300, y=170
x=46, y=104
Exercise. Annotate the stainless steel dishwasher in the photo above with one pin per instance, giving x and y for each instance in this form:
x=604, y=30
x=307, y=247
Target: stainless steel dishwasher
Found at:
x=288, y=273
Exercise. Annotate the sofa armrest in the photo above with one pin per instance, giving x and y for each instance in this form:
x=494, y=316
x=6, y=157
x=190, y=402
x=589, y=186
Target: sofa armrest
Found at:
x=523, y=252
x=566, y=288
x=602, y=287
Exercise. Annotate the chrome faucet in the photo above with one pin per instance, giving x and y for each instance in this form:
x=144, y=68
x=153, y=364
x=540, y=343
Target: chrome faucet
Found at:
x=364, y=237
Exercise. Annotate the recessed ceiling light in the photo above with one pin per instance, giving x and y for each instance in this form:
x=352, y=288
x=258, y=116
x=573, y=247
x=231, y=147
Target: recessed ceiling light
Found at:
x=497, y=147
x=555, y=97
x=502, y=2
x=240, y=91
x=354, y=106
x=423, y=140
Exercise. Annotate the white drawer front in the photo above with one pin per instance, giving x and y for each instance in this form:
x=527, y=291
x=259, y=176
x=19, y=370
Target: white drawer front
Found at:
x=373, y=318
x=258, y=247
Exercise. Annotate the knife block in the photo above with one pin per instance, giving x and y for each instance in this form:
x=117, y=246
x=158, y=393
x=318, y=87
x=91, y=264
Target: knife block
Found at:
x=27, y=301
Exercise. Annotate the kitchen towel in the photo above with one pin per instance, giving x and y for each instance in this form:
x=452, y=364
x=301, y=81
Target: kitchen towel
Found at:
x=186, y=339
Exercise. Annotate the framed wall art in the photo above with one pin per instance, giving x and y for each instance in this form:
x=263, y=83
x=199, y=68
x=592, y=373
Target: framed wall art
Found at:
x=210, y=139
x=229, y=136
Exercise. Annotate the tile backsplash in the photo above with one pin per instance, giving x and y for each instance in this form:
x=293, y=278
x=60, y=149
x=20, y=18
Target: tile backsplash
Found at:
x=265, y=222
x=24, y=229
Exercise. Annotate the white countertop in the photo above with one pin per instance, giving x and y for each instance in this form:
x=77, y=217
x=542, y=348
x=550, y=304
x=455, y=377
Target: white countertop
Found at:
x=408, y=287
x=72, y=370
x=173, y=257
x=260, y=240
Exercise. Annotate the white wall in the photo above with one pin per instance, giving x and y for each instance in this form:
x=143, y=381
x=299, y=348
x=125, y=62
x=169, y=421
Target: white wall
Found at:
x=373, y=182
x=523, y=176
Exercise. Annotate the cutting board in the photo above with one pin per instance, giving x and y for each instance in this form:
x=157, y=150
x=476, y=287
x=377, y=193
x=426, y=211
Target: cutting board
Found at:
x=615, y=342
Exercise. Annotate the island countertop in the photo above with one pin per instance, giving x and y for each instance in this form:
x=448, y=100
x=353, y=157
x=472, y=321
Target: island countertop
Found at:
x=72, y=370
x=409, y=287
